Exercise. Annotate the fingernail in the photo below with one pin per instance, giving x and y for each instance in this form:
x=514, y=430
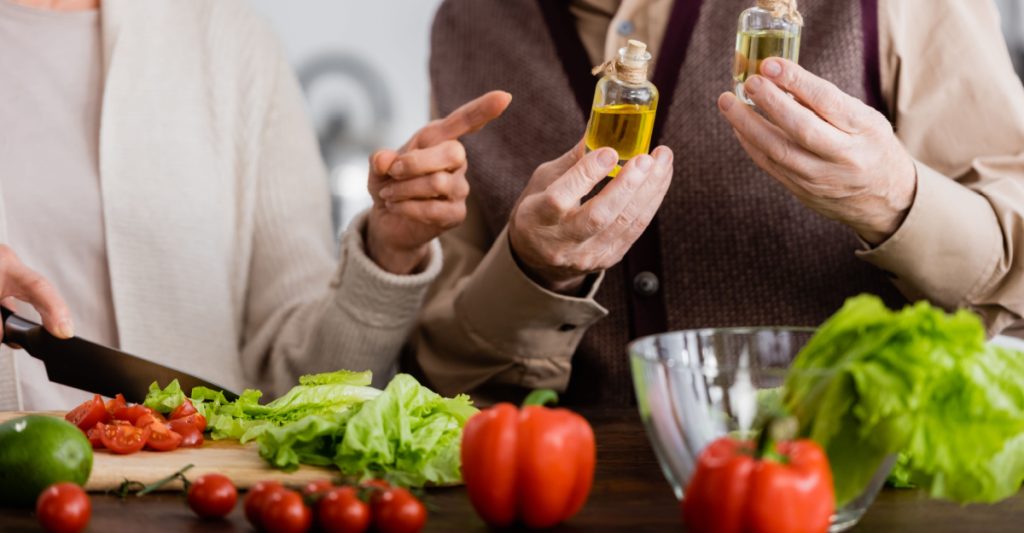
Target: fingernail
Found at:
x=643, y=163
x=726, y=101
x=771, y=68
x=754, y=84
x=386, y=192
x=664, y=157
x=397, y=168
x=66, y=329
x=607, y=157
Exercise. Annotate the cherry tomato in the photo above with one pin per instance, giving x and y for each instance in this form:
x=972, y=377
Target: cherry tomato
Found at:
x=95, y=436
x=161, y=438
x=196, y=420
x=256, y=498
x=115, y=404
x=317, y=487
x=150, y=418
x=377, y=487
x=285, y=512
x=87, y=415
x=123, y=438
x=63, y=508
x=212, y=496
x=186, y=408
x=191, y=436
x=132, y=413
x=398, y=511
x=341, y=511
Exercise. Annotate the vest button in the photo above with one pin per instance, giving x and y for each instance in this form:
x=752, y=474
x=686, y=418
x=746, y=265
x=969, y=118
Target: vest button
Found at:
x=646, y=283
x=626, y=28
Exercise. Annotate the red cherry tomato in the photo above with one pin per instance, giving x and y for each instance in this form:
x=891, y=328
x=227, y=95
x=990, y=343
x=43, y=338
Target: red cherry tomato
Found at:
x=256, y=498
x=115, y=404
x=150, y=418
x=186, y=408
x=196, y=420
x=123, y=438
x=341, y=511
x=87, y=415
x=63, y=508
x=192, y=437
x=132, y=413
x=212, y=496
x=285, y=512
x=398, y=511
x=161, y=438
x=317, y=487
x=95, y=436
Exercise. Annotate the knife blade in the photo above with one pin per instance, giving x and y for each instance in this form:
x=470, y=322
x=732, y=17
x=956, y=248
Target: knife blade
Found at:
x=92, y=367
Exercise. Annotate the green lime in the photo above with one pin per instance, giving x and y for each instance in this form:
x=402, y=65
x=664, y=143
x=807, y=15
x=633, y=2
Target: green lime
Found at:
x=38, y=451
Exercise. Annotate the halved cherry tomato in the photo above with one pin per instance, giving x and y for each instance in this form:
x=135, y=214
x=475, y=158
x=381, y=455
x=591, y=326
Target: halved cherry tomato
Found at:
x=257, y=498
x=115, y=404
x=123, y=438
x=95, y=438
x=150, y=418
x=192, y=436
x=87, y=415
x=132, y=413
x=186, y=408
x=161, y=438
x=196, y=420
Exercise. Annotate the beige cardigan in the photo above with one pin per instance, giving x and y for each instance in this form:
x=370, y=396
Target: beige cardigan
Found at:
x=217, y=214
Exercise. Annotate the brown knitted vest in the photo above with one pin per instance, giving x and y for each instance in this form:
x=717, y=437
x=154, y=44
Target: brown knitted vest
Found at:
x=735, y=248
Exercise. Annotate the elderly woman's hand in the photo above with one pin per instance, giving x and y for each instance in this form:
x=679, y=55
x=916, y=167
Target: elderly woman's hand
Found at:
x=833, y=152
x=420, y=190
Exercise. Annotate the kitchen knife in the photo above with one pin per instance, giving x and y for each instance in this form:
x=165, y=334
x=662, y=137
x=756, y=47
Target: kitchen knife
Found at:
x=85, y=365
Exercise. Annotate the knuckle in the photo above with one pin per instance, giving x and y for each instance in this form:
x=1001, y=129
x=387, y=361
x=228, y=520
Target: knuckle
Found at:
x=455, y=152
x=438, y=182
x=597, y=219
x=552, y=202
x=780, y=153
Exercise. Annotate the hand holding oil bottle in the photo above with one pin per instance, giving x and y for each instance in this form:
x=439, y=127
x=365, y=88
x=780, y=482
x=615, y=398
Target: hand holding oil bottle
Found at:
x=835, y=153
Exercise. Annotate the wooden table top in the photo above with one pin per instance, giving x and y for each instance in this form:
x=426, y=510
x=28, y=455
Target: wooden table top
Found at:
x=629, y=494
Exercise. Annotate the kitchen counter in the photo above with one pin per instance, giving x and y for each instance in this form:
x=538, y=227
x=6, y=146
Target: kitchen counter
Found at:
x=629, y=493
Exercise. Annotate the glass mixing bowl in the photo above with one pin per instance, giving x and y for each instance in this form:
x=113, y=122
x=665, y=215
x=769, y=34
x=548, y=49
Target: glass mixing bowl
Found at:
x=695, y=386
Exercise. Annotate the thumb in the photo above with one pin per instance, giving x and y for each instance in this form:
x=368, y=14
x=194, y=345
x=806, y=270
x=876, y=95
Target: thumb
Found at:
x=381, y=161
x=549, y=172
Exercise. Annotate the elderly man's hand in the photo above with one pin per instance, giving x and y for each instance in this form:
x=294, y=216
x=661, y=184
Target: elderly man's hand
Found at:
x=558, y=241
x=836, y=154
x=420, y=190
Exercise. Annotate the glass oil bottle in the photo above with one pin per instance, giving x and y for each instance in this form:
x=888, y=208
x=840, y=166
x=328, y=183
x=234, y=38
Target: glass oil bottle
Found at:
x=770, y=29
x=625, y=103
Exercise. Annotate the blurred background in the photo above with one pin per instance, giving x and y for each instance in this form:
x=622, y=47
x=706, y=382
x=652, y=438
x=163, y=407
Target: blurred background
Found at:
x=364, y=68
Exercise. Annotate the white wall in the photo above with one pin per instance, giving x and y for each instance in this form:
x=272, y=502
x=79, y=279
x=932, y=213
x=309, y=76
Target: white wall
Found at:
x=392, y=34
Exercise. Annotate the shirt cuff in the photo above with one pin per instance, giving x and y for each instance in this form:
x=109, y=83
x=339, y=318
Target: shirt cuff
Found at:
x=373, y=295
x=947, y=247
x=517, y=317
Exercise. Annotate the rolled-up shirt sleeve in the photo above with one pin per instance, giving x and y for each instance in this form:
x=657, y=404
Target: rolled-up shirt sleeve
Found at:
x=958, y=107
x=487, y=323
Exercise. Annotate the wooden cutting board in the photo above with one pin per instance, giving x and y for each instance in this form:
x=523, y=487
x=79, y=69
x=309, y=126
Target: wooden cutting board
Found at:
x=241, y=463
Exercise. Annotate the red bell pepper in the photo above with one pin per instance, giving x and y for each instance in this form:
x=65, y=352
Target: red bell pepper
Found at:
x=768, y=488
x=534, y=465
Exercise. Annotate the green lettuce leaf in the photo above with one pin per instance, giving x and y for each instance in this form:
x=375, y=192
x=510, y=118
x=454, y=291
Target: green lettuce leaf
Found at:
x=164, y=400
x=873, y=382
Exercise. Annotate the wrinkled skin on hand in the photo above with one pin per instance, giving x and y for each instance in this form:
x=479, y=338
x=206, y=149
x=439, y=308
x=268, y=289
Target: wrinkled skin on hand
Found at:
x=558, y=241
x=837, y=155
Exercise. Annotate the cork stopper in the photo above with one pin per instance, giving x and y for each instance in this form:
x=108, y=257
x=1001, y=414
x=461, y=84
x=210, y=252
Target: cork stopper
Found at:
x=782, y=9
x=630, y=66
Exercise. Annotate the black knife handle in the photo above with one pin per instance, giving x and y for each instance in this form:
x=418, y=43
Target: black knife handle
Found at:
x=19, y=331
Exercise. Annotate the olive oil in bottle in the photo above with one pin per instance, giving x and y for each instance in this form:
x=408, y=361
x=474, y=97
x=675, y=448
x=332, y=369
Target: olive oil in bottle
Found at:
x=771, y=29
x=624, y=106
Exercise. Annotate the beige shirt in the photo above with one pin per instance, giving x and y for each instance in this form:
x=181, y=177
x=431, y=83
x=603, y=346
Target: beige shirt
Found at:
x=49, y=172
x=958, y=108
x=216, y=211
